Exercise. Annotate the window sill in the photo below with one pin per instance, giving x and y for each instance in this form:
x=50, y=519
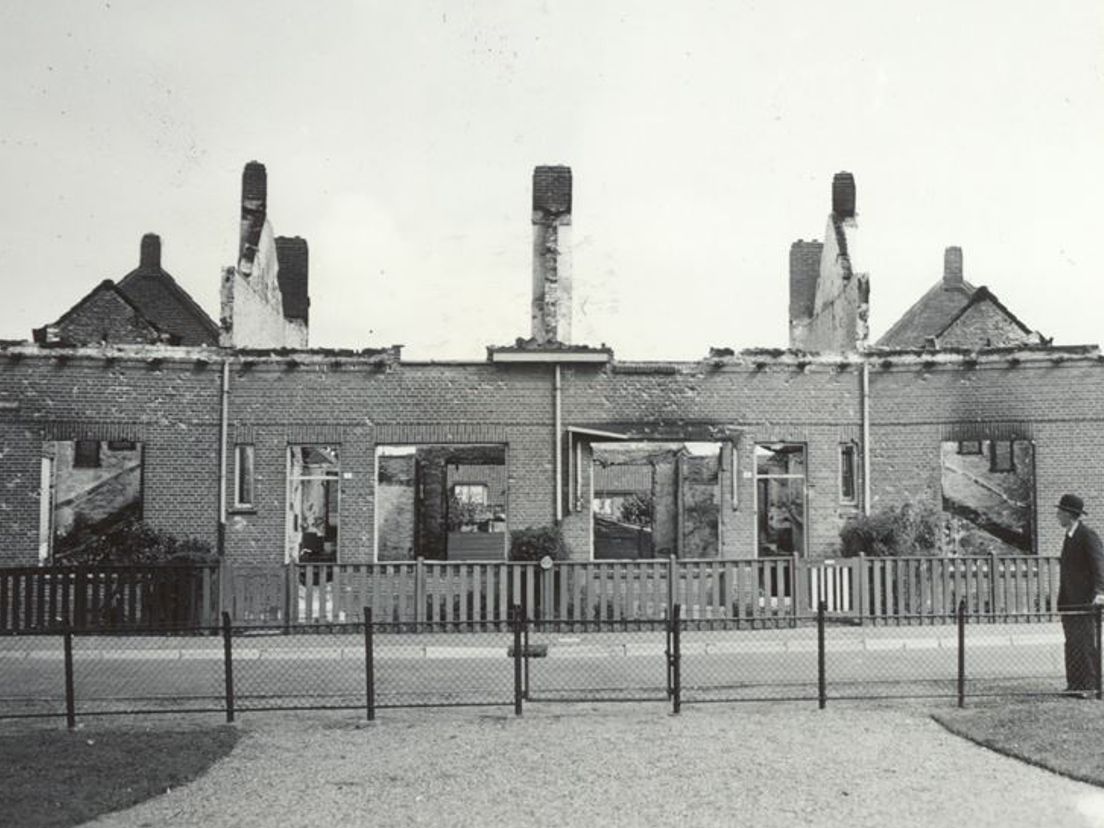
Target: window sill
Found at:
x=242, y=510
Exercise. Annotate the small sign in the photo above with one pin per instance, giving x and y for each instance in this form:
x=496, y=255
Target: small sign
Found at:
x=546, y=562
x=347, y=475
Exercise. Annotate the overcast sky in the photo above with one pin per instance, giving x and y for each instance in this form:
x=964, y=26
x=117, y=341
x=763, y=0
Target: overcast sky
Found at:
x=400, y=139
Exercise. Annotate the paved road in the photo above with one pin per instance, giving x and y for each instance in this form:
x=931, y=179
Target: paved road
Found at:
x=626, y=765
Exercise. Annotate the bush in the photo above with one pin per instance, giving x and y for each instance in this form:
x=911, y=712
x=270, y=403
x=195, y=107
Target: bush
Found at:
x=894, y=531
x=130, y=541
x=533, y=543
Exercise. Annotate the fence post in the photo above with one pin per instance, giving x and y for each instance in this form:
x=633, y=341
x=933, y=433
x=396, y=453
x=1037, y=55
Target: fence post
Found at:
x=992, y=587
x=962, y=652
x=228, y=666
x=369, y=665
x=797, y=592
x=525, y=655
x=860, y=587
x=1098, y=612
x=516, y=612
x=676, y=658
x=672, y=583
x=419, y=590
x=822, y=679
x=70, y=698
x=291, y=594
x=670, y=653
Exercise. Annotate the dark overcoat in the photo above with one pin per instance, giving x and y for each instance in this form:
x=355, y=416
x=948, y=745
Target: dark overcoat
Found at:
x=1082, y=568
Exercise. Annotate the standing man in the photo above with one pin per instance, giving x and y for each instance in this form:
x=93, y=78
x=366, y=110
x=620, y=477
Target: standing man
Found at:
x=1081, y=585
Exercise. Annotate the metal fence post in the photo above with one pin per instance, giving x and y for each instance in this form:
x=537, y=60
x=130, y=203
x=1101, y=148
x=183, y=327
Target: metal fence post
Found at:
x=228, y=666
x=676, y=659
x=369, y=665
x=516, y=611
x=1098, y=611
x=670, y=653
x=822, y=679
x=525, y=655
x=962, y=653
x=70, y=699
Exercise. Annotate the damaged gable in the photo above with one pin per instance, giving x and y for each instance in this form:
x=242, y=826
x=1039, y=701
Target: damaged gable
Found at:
x=264, y=297
x=829, y=302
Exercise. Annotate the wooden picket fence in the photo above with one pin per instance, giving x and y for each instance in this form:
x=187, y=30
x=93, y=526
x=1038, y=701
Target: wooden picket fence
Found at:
x=479, y=595
x=868, y=590
x=42, y=598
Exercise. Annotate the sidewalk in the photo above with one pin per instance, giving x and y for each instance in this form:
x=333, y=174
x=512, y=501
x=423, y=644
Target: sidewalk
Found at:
x=477, y=645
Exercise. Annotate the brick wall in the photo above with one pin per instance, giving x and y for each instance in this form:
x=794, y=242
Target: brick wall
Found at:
x=105, y=316
x=169, y=400
x=982, y=323
x=171, y=407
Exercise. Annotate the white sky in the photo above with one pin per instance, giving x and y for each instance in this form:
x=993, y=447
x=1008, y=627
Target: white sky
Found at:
x=400, y=139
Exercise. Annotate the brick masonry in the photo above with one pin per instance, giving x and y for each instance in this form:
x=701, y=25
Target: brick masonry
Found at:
x=170, y=401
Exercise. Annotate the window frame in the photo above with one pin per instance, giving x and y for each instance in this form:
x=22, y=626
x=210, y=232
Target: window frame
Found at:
x=758, y=476
x=486, y=501
x=77, y=460
x=332, y=499
x=993, y=465
x=968, y=448
x=849, y=449
x=245, y=450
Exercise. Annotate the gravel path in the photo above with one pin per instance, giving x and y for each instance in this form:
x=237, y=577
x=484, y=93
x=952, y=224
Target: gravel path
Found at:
x=779, y=765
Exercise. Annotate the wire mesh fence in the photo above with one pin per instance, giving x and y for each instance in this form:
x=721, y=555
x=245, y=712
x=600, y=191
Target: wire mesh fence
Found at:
x=372, y=666
x=596, y=662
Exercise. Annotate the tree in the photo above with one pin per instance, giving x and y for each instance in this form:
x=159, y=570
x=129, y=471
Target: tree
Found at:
x=638, y=509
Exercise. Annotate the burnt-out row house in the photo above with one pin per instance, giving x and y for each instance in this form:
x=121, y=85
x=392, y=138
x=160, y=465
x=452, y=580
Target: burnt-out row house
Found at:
x=135, y=404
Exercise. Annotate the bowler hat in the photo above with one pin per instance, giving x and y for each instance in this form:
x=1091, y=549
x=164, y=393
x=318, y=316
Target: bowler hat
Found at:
x=1072, y=504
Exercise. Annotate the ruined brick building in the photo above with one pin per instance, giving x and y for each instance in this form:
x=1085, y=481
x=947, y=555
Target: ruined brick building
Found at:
x=133, y=403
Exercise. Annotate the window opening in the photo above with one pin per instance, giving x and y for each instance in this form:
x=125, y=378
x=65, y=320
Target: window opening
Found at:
x=313, y=501
x=86, y=454
x=87, y=507
x=848, y=473
x=441, y=502
x=989, y=498
x=780, y=474
x=243, y=475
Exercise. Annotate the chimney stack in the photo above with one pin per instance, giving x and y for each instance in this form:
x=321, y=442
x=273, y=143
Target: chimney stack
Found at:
x=150, y=256
x=952, y=267
x=843, y=195
x=293, y=257
x=254, y=199
x=551, y=306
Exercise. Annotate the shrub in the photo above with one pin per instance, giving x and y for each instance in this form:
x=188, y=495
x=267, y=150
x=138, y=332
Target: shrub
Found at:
x=533, y=543
x=893, y=531
x=130, y=541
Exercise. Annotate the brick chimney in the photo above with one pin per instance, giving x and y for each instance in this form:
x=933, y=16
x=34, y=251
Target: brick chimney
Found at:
x=952, y=268
x=843, y=195
x=253, y=208
x=293, y=257
x=551, y=306
x=150, y=256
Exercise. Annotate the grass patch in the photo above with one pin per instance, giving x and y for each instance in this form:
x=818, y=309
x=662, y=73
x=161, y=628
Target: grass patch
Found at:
x=58, y=778
x=1062, y=735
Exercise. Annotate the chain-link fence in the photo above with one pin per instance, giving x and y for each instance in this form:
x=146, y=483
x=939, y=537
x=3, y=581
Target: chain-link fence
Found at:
x=377, y=666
